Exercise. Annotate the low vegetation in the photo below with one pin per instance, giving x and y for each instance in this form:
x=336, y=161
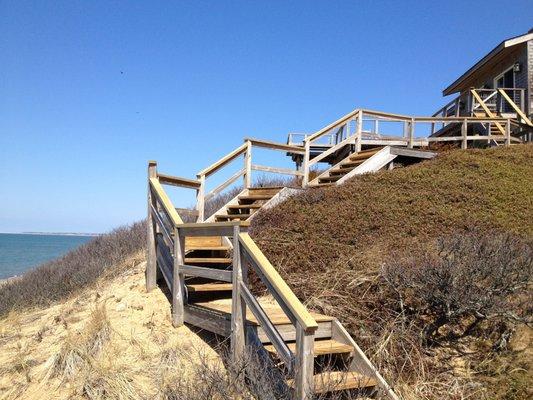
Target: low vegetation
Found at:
x=429, y=266
x=80, y=268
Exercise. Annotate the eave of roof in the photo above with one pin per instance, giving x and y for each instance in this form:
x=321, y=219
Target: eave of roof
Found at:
x=503, y=45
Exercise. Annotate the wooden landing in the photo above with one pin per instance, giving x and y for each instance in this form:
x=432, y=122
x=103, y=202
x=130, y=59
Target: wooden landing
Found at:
x=274, y=312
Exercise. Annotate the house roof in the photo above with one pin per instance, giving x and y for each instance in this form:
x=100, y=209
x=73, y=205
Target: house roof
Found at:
x=497, y=53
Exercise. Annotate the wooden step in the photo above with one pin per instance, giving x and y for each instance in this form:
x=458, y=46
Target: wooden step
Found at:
x=207, y=248
x=321, y=347
x=192, y=241
x=364, y=154
x=265, y=190
x=340, y=171
x=209, y=287
x=229, y=217
x=243, y=206
x=329, y=178
x=332, y=381
x=207, y=260
x=254, y=197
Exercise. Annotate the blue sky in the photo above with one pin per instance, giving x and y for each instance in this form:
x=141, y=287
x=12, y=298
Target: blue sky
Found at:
x=91, y=90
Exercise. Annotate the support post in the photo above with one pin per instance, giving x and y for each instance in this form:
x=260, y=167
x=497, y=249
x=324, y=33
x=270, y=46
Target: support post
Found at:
x=200, y=199
x=238, y=307
x=151, y=256
x=248, y=165
x=359, y=132
x=305, y=359
x=305, y=179
x=508, y=132
x=411, y=133
x=464, y=131
x=177, y=279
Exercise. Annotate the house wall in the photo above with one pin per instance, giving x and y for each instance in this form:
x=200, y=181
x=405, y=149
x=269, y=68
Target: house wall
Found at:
x=529, y=68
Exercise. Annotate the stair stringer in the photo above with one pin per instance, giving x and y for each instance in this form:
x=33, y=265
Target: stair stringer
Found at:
x=374, y=163
x=360, y=362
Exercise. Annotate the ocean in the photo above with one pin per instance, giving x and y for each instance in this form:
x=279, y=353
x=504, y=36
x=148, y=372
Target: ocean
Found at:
x=21, y=252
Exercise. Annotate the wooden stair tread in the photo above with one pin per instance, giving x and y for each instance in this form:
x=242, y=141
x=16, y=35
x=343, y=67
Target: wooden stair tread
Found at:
x=321, y=347
x=275, y=313
x=207, y=260
x=207, y=248
x=209, y=287
x=255, y=197
x=330, y=178
x=332, y=381
x=230, y=216
x=242, y=206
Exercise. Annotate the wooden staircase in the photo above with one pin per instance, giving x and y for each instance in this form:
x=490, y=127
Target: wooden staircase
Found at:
x=205, y=267
x=365, y=161
x=245, y=204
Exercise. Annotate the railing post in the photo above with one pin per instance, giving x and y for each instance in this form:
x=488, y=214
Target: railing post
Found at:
x=238, y=307
x=151, y=256
x=508, y=132
x=177, y=279
x=464, y=131
x=359, y=131
x=200, y=199
x=305, y=179
x=248, y=165
x=411, y=133
x=304, y=379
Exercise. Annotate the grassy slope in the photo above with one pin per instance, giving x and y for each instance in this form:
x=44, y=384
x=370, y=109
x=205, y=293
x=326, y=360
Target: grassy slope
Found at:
x=330, y=244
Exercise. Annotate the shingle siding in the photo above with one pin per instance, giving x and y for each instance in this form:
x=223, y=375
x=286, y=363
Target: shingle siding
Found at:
x=529, y=72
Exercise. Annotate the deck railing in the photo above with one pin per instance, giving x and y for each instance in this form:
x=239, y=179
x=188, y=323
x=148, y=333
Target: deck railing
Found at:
x=370, y=127
x=245, y=151
x=166, y=251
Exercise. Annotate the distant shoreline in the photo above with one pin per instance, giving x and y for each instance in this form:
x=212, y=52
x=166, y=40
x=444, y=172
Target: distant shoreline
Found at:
x=53, y=233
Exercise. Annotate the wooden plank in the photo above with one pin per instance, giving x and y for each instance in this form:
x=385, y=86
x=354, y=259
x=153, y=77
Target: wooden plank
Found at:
x=178, y=181
x=223, y=161
x=200, y=199
x=201, y=241
x=304, y=364
x=209, y=273
x=178, y=291
x=332, y=381
x=232, y=179
x=207, y=260
x=163, y=199
x=208, y=321
x=399, y=151
x=162, y=226
x=280, y=286
x=210, y=229
x=209, y=287
x=515, y=107
x=349, y=140
x=151, y=257
x=322, y=347
x=285, y=171
x=267, y=144
x=342, y=120
x=486, y=109
x=268, y=326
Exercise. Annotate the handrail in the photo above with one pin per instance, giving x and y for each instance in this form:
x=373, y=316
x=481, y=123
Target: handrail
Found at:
x=165, y=202
x=223, y=161
x=298, y=310
x=178, y=181
x=327, y=128
x=515, y=107
x=275, y=145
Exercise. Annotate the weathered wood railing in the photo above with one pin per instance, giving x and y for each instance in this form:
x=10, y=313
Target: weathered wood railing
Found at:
x=245, y=150
x=166, y=253
x=354, y=134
